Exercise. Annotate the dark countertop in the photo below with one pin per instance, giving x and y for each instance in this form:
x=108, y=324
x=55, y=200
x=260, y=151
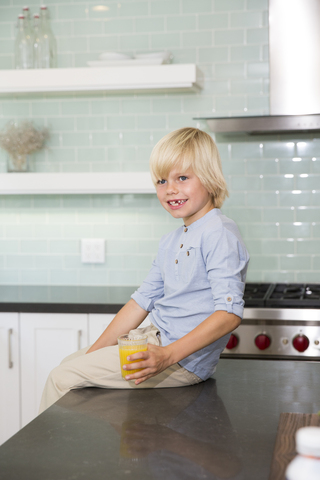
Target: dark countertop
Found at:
x=223, y=428
x=63, y=299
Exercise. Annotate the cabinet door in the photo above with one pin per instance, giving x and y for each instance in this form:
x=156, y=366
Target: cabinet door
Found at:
x=98, y=322
x=9, y=375
x=45, y=340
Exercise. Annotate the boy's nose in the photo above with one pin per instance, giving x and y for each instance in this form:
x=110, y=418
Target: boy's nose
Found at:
x=171, y=188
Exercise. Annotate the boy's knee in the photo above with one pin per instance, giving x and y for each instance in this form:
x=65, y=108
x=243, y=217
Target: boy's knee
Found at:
x=57, y=377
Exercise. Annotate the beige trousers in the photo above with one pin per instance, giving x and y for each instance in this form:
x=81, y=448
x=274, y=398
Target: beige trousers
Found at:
x=102, y=369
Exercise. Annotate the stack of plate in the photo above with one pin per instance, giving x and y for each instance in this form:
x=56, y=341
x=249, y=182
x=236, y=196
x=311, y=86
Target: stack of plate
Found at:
x=111, y=59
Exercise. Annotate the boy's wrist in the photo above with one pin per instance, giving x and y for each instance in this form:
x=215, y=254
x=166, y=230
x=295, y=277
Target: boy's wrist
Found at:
x=170, y=354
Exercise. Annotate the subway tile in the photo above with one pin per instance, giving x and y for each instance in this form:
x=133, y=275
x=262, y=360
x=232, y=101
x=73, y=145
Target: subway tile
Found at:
x=150, y=24
x=295, y=230
x=307, y=277
x=123, y=122
x=181, y=23
x=86, y=27
x=258, y=103
x=230, y=167
x=90, y=123
x=306, y=246
x=246, y=19
x=228, y=103
x=228, y=5
x=308, y=148
x=6, y=45
x=103, y=43
x=316, y=263
x=166, y=7
x=134, y=42
x=229, y=37
x=257, y=4
x=251, y=183
x=290, y=166
x=34, y=277
x=48, y=261
x=57, y=124
x=213, y=20
x=229, y=70
x=166, y=105
x=63, y=246
x=164, y=41
x=246, y=150
x=19, y=261
x=201, y=39
x=105, y=106
x=70, y=139
x=16, y=109
x=151, y=121
x=261, y=166
x=136, y=8
x=262, y=199
x=265, y=230
x=200, y=6
x=71, y=12
x=61, y=154
x=295, y=262
x=64, y=277
x=311, y=182
x=257, y=35
x=75, y=107
x=308, y=214
x=264, y=262
x=6, y=30
x=274, y=247
x=278, y=182
x=295, y=198
x=278, y=215
x=135, y=105
x=245, y=53
x=71, y=44
x=218, y=54
x=258, y=69
x=10, y=246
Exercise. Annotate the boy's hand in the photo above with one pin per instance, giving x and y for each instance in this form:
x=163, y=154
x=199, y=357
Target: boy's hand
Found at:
x=154, y=361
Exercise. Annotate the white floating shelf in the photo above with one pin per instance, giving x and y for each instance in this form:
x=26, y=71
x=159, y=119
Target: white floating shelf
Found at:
x=156, y=78
x=75, y=183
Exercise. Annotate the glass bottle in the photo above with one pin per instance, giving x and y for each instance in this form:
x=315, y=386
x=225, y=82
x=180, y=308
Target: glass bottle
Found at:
x=23, y=48
x=306, y=465
x=48, y=41
x=37, y=43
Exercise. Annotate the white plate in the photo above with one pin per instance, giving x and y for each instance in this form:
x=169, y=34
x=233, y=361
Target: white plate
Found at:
x=114, y=56
x=125, y=63
x=165, y=55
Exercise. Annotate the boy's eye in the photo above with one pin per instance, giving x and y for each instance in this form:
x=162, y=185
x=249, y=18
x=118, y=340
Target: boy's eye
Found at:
x=183, y=178
x=161, y=182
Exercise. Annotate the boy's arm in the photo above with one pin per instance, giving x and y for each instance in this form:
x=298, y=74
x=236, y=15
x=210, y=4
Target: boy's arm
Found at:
x=129, y=317
x=157, y=359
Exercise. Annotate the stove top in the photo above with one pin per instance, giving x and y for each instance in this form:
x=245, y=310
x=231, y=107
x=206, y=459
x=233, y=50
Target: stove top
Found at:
x=282, y=295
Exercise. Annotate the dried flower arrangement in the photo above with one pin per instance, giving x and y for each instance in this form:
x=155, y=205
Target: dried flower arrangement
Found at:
x=21, y=139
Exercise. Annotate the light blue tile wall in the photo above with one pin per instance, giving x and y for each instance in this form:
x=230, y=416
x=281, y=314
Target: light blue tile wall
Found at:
x=273, y=181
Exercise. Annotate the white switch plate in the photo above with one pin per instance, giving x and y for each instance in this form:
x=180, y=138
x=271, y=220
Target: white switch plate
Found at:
x=93, y=250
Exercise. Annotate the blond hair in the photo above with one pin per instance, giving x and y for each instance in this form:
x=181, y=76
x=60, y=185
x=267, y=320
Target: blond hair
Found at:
x=190, y=148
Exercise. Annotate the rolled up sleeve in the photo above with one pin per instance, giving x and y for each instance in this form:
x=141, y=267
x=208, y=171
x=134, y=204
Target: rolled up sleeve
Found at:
x=151, y=289
x=226, y=261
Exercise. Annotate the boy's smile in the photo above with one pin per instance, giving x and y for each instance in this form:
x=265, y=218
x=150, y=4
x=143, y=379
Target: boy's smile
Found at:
x=184, y=196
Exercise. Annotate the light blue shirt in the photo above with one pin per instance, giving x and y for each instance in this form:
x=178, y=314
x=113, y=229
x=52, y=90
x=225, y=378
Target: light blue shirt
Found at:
x=198, y=270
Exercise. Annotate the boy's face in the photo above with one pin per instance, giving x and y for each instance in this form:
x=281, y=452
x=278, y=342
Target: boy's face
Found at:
x=183, y=195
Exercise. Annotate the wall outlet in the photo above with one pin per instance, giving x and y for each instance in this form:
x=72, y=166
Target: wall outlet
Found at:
x=93, y=250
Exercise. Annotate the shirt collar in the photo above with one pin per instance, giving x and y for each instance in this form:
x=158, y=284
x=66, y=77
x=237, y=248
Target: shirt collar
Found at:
x=212, y=213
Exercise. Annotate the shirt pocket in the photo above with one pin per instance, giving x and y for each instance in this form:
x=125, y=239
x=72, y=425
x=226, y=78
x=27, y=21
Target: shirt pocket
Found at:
x=187, y=261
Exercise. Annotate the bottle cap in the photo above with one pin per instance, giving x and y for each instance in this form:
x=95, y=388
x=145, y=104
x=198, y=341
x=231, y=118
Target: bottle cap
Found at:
x=308, y=441
x=21, y=15
x=36, y=15
x=26, y=8
x=43, y=7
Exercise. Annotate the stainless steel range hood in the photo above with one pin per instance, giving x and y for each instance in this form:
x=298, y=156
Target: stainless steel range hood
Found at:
x=294, y=59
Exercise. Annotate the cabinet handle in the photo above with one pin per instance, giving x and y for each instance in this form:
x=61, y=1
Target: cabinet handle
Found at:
x=79, y=339
x=10, y=362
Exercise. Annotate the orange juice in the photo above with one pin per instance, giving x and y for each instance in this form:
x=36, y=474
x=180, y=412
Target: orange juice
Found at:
x=129, y=345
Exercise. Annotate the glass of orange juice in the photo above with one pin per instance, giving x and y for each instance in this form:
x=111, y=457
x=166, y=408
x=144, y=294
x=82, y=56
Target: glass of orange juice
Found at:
x=129, y=344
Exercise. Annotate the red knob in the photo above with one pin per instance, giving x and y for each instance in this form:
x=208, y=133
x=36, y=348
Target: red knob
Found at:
x=262, y=341
x=233, y=342
x=300, y=343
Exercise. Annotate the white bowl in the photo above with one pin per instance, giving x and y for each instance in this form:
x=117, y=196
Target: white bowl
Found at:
x=114, y=56
x=165, y=55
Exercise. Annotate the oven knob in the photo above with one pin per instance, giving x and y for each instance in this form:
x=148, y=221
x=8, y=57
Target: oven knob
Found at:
x=262, y=341
x=233, y=342
x=300, y=343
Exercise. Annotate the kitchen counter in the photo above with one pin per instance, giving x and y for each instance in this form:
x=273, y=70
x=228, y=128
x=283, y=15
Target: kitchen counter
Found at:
x=223, y=428
x=63, y=299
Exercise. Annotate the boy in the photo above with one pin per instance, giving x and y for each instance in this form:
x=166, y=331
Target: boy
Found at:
x=193, y=292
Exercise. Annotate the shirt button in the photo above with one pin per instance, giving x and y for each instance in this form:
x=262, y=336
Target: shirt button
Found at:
x=185, y=229
x=181, y=245
x=176, y=261
x=188, y=253
x=229, y=299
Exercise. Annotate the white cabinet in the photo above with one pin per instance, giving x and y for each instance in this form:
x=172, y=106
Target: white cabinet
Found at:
x=98, y=322
x=46, y=338
x=9, y=376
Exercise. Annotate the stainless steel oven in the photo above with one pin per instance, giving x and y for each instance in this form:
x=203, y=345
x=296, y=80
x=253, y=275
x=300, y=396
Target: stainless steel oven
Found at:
x=281, y=321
